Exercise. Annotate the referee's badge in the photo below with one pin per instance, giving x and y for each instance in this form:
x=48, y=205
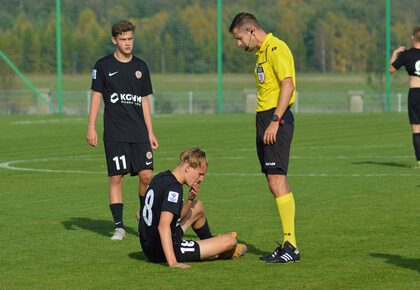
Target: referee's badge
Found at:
x=260, y=74
x=138, y=74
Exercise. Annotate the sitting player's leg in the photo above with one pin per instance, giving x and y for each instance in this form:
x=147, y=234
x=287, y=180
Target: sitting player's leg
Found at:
x=217, y=245
x=193, y=215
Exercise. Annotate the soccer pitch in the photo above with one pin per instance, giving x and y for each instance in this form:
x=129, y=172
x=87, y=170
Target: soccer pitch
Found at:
x=357, y=205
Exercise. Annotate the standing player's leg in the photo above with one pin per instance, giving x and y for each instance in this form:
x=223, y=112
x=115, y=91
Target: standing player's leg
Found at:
x=117, y=156
x=414, y=118
x=141, y=164
x=416, y=143
x=116, y=206
x=145, y=176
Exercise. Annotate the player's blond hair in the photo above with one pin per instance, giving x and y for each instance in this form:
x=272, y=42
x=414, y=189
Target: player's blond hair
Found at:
x=194, y=157
x=416, y=33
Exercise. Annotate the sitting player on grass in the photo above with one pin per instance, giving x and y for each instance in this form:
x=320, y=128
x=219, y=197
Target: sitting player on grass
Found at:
x=164, y=217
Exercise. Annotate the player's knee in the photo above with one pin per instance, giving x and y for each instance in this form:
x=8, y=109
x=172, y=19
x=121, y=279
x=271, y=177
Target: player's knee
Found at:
x=198, y=208
x=146, y=176
x=231, y=242
x=116, y=179
x=277, y=182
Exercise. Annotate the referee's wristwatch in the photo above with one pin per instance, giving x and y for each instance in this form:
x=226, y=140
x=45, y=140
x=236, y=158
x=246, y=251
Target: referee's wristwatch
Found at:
x=275, y=118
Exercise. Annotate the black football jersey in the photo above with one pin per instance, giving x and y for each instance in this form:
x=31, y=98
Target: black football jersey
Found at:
x=409, y=58
x=122, y=86
x=163, y=194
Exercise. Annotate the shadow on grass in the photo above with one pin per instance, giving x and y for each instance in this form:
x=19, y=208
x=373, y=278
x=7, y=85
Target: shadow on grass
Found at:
x=413, y=264
x=140, y=256
x=393, y=164
x=101, y=227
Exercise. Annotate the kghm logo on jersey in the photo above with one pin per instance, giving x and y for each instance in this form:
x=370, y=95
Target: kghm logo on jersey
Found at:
x=128, y=99
x=260, y=73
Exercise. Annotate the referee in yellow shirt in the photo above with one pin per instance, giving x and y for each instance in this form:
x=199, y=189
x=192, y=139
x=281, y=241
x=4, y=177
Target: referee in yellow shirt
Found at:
x=275, y=78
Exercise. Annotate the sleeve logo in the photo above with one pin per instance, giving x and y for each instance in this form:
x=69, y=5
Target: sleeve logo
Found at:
x=173, y=196
x=94, y=74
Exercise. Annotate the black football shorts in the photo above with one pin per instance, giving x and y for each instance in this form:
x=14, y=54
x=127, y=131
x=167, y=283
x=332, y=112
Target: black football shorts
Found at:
x=274, y=159
x=414, y=105
x=185, y=250
x=123, y=158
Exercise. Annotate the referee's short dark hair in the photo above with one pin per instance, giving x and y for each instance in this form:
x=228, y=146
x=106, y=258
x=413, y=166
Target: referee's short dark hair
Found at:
x=122, y=26
x=242, y=19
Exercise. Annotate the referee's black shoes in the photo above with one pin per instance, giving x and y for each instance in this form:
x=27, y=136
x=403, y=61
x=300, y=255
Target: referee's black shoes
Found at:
x=276, y=252
x=286, y=254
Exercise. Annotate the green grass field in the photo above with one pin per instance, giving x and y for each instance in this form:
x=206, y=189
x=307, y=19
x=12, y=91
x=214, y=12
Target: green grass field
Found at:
x=357, y=205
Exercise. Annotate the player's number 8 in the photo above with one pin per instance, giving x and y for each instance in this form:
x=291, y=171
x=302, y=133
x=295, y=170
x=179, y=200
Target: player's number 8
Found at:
x=147, y=209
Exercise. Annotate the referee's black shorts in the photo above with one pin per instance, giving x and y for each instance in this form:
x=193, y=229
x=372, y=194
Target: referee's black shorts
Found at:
x=414, y=105
x=274, y=159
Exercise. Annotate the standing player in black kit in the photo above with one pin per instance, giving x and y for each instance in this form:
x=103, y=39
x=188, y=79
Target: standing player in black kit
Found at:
x=410, y=58
x=123, y=81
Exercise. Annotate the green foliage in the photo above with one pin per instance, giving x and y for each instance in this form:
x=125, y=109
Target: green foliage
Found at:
x=181, y=36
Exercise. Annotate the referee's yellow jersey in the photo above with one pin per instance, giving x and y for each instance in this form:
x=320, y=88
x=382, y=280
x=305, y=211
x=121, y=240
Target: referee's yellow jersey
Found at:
x=274, y=63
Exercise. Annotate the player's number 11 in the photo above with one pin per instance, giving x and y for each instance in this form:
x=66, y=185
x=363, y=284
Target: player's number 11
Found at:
x=117, y=162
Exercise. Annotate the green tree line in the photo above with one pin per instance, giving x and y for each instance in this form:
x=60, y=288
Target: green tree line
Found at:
x=181, y=36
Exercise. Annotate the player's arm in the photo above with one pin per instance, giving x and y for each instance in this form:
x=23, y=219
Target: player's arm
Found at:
x=192, y=194
x=147, y=112
x=394, y=57
x=165, y=234
x=286, y=93
x=95, y=103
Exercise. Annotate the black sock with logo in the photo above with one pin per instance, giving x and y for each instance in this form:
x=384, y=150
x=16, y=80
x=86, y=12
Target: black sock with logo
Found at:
x=117, y=214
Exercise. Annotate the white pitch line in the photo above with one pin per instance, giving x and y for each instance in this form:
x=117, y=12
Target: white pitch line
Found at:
x=29, y=122
x=323, y=174
x=8, y=165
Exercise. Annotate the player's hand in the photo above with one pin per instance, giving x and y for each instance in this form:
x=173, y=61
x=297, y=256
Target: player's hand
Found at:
x=92, y=137
x=270, y=133
x=153, y=141
x=180, y=265
x=192, y=194
x=399, y=49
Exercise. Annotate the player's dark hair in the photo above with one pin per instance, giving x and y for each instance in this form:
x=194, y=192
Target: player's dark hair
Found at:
x=416, y=33
x=122, y=26
x=243, y=19
x=194, y=157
